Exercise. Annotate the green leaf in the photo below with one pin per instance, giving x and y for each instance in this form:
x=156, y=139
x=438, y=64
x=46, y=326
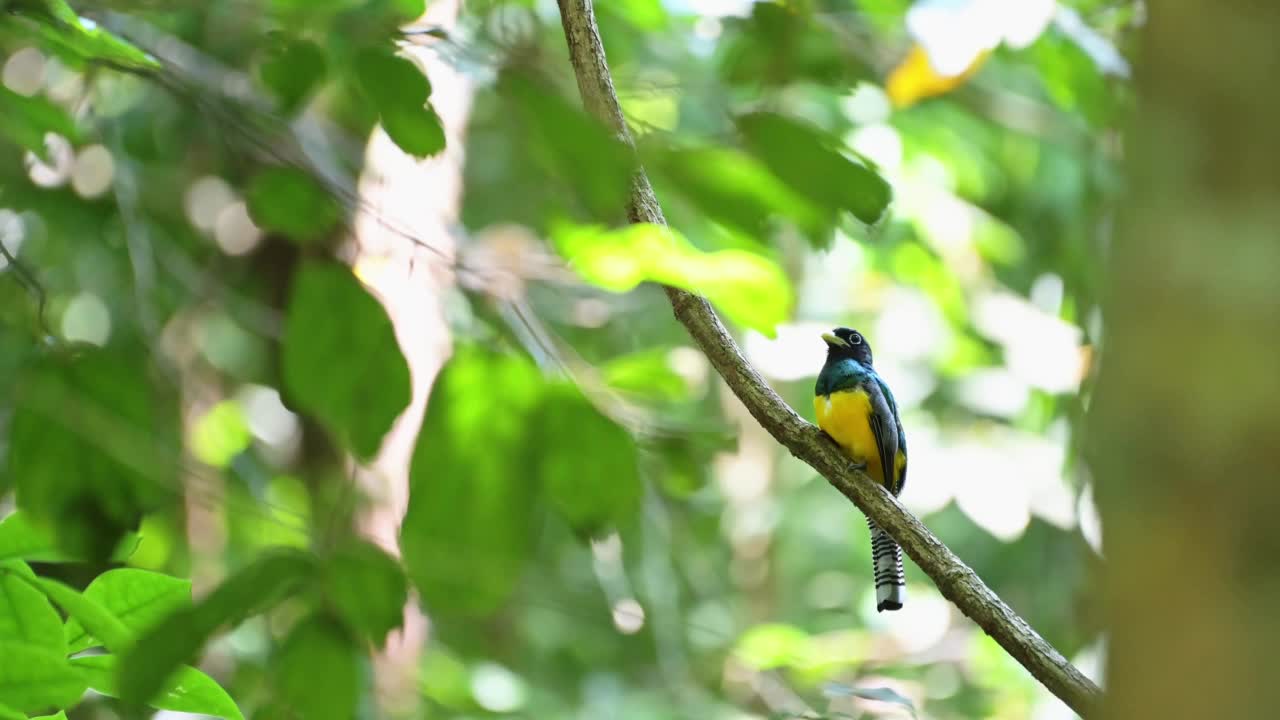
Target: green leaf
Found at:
x=26, y=121
x=22, y=539
x=316, y=671
x=806, y=159
x=161, y=651
x=60, y=26
x=342, y=363
x=115, y=636
x=93, y=445
x=647, y=374
x=467, y=533
x=34, y=679
x=291, y=202
x=189, y=690
x=391, y=80
x=367, y=588
x=399, y=90
x=573, y=146
x=25, y=613
x=220, y=434
x=417, y=130
x=735, y=189
x=588, y=464
x=60, y=715
x=8, y=713
x=293, y=69
x=138, y=598
x=773, y=645
x=750, y=289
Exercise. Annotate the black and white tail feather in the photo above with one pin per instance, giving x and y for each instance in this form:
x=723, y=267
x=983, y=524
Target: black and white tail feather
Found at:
x=891, y=582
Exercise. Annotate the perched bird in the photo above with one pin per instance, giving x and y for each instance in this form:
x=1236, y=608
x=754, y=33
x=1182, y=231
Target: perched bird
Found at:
x=854, y=406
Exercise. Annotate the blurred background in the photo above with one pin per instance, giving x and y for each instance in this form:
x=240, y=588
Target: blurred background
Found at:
x=595, y=527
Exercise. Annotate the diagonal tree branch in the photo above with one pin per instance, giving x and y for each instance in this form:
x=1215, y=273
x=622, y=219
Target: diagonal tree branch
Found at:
x=954, y=579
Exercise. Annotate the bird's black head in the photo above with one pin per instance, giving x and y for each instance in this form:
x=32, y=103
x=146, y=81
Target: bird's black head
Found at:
x=847, y=343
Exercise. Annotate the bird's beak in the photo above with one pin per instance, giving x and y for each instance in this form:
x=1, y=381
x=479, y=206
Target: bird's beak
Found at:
x=834, y=341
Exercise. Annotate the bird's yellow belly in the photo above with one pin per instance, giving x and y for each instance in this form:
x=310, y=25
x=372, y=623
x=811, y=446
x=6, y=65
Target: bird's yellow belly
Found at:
x=844, y=415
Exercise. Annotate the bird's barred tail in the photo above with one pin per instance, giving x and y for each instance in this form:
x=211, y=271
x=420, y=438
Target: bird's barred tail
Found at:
x=891, y=584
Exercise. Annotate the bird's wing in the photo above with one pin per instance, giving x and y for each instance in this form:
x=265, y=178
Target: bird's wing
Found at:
x=902, y=437
x=885, y=429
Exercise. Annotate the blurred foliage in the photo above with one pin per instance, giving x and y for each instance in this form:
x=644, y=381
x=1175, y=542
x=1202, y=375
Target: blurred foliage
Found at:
x=189, y=369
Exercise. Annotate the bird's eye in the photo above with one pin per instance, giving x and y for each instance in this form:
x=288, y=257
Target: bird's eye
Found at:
x=855, y=339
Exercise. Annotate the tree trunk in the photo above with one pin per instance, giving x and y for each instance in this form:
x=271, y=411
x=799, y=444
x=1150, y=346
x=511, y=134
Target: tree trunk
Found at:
x=1186, y=422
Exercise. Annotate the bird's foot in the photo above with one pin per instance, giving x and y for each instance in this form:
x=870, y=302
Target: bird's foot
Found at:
x=860, y=467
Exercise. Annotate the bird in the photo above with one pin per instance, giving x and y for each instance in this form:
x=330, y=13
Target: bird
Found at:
x=855, y=407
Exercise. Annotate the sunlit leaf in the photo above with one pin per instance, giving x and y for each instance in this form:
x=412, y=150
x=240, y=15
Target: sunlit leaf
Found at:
x=35, y=679
x=188, y=691
x=316, y=672
x=174, y=641
x=588, y=463
x=367, y=588
x=749, y=288
x=342, y=362
x=25, y=613
x=93, y=445
x=220, y=434
x=764, y=647
x=138, y=598
x=811, y=163
x=88, y=612
x=466, y=535
x=289, y=201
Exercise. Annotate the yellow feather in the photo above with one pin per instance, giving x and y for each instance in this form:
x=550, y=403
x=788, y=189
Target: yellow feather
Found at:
x=844, y=416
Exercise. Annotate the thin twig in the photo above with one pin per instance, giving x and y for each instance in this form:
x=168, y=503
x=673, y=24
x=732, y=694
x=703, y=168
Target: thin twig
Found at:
x=954, y=579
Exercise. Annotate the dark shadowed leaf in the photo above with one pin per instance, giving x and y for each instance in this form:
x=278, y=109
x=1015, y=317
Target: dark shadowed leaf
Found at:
x=316, y=671
x=25, y=613
x=417, y=130
x=587, y=462
x=573, y=146
x=36, y=679
x=342, y=363
x=467, y=532
x=735, y=189
x=291, y=202
x=93, y=445
x=810, y=162
x=139, y=598
x=292, y=70
x=399, y=90
x=175, y=641
x=367, y=588
x=188, y=691
x=22, y=539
